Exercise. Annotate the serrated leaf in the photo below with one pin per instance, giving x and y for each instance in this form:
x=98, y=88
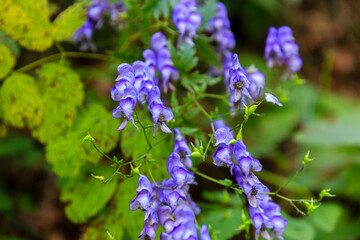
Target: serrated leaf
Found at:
x=183, y=57
x=68, y=21
x=28, y=22
x=21, y=101
x=62, y=93
x=206, y=51
x=68, y=153
x=207, y=11
x=86, y=196
x=157, y=8
x=7, y=61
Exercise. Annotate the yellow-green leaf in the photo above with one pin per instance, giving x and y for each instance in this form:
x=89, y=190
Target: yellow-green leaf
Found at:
x=62, y=93
x=68, y=21
x=7, y=61
x=67, y=154
x=28, y=22
x=21, y=101
x=86, y=196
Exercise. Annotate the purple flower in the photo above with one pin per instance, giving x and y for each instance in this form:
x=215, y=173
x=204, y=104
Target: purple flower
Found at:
x=115, y=11
x=224, y=152
x=160, y=114
x=126, y=106
x=256, y=82
x=84, y=36
x=184, y=224
x=253, y=193
x=181, y=148
x=94, y=21
x=159, y=58
x=219, y=27
x=238, y=81
x=272, y=99
x=187, y=20
x=177, y=170
x=281, y=50
x=204, y=233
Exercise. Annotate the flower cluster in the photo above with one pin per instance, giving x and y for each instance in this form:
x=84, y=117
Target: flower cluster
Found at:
x=169, y=204
x=264, y=213
x=221, y=34
x=181, y=148
x=159, y=58
x=135, y=83
x=95, y=21
x=219, y=28
x=281, y=50
x=187, y=20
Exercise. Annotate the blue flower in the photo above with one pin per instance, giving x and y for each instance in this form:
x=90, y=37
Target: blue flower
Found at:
x=126, y=106
x=160, y=114
x=219, y=27
x=238, y=81
x=224, y=152
x=272, y=99
x=281, y=50
x=178, y=171
x=181, y=148
x=187, y=20
x=159, y=58
x=204, y=233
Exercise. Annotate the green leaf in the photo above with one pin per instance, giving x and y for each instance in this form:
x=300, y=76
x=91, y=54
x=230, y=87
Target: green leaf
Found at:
x=28, y=22
x=86, y=196
x=184, y=57
x=7, y=61
x=68, y=153
x=323, y=133
x=68, y=21
x=198, y=81
x=62, y=93
x=206, y=51
x=225, y=221
x=326, y=216
x=207, y=11
x=157, y=8
x=298, y=229
x=21, y=101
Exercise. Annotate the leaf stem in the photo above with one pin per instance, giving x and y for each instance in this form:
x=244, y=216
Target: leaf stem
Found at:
x=62, y=54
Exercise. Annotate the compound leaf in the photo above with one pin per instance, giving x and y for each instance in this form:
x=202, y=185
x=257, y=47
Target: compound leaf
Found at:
x=7, y=61
x=21, y=101
x=68, y=153
x=86, y=196
x=69, y=21
x=28, y=22
x=62, y=92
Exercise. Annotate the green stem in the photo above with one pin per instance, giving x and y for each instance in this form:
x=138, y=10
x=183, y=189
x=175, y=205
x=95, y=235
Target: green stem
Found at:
x=102, y=153
x=291, y=179
x=217, y=181
x=201, y=108
x=59, y=55
x=211, y=95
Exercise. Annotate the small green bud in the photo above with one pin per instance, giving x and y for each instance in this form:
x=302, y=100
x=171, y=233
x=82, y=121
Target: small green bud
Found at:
x=226, y=182
x=325, y=193
x=88, y=138
x=100, y=178
x=197, y=154
x=239, y=135
x=311, y=207
x=307, y=158
x=232, y=142
x=135, y=170
x=298, y=81
x=225, y=197
x=110, y=236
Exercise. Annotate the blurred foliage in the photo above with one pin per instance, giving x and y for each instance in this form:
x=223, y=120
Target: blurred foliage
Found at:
x=59, y=101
